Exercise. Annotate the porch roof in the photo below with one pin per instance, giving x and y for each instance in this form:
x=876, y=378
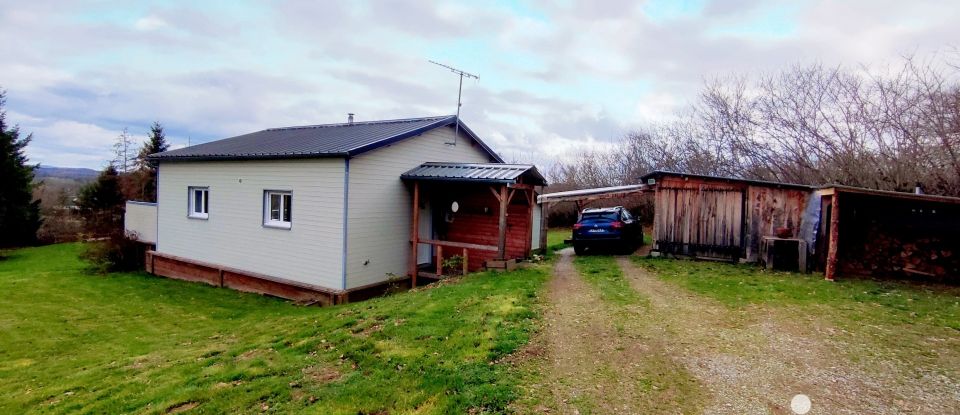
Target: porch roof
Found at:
x=476, y=173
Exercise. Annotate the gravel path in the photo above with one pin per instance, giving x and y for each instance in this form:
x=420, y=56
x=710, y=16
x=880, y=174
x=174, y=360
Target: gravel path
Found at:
x=754, y=360
x=680, y=352
x=595, y=360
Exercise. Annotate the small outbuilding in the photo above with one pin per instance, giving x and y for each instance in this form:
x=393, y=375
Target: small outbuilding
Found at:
x=881, y=233
x=834, y=229
x=724, y=218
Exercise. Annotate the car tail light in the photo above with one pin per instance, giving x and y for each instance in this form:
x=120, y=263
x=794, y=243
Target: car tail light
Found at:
x=577, y=226
x=616, y=225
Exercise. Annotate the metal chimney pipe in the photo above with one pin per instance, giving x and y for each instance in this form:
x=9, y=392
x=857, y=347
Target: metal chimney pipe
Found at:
x=350, y=118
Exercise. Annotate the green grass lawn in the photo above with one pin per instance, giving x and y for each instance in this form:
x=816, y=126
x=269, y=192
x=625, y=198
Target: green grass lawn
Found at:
x=555, y=238
x=123, y=343
x=605, y=275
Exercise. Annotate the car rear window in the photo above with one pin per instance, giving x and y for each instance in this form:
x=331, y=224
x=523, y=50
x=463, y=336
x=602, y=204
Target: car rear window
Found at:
x=601, y=215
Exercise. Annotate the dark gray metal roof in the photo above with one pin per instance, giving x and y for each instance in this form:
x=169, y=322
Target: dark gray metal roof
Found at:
x=326, y=140
x=476, y=172
x=661, y=173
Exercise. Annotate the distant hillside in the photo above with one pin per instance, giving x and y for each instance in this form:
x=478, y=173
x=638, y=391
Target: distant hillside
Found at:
x=74, y=173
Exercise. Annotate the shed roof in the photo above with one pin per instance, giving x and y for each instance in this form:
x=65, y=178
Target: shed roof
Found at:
x=592, y=194
x=828, y=189
x=476, y=172
x=661, y=173
x=314, y=141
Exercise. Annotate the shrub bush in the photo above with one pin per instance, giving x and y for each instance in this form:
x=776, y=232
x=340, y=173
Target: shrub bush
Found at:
x=116, y=252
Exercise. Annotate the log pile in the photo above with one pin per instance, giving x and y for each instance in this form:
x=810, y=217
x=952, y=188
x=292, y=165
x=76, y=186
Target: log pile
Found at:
x=922, y=257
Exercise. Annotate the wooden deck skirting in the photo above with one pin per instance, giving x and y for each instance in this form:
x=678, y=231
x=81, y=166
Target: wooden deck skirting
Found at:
x=172, y=266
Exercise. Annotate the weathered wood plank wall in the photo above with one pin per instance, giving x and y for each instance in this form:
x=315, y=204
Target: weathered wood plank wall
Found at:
x=722, y=218
x=771, y=209
x=697, y=217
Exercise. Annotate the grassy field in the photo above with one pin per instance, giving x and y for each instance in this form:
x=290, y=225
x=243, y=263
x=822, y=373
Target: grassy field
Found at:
x=125, y=343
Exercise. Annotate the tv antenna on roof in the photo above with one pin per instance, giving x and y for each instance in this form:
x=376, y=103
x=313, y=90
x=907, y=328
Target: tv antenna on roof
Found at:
x=459, y=94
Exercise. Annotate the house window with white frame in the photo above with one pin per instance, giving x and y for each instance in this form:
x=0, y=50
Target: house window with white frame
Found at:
x=277, y=209
x=199, y=202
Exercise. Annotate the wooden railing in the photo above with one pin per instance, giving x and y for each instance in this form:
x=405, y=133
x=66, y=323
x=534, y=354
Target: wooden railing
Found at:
x=451, y=244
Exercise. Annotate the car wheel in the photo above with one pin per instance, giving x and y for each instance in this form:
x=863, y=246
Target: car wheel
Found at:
x=579, y=249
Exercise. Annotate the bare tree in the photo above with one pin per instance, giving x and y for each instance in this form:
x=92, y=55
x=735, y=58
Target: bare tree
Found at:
x=811, y=124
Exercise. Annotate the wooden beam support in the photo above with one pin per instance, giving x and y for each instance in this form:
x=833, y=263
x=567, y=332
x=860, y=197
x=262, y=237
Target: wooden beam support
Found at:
x=502, y=224
x=452, y=244
x=834, y=238
x=415, y=234
x=496, y=193
x=520, y=186
x=439, y=261
x=465, y=266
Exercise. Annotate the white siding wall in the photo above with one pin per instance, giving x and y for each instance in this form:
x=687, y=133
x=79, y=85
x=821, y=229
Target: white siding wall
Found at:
x=379, y=215
x=310, y=252
x=140, y=221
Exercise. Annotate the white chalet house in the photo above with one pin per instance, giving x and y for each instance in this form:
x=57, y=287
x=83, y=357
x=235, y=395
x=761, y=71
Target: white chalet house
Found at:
x=318, y=212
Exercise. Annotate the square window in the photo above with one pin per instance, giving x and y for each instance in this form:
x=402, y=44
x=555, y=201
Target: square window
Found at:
x=277, y=209
x=199, y=203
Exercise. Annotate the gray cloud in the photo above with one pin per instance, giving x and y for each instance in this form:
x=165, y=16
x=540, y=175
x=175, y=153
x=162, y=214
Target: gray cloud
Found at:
x=554, y=78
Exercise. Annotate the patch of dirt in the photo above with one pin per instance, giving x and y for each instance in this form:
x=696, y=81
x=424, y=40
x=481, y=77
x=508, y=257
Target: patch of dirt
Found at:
x=253, y=353
x=321, y=374
x=755, y=359
x=183, y=407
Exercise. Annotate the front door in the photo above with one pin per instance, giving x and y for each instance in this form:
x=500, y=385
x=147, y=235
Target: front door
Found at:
x=425, y=252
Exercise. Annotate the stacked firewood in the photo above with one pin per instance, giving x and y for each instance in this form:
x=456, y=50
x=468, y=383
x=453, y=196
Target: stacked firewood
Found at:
x=927, y=257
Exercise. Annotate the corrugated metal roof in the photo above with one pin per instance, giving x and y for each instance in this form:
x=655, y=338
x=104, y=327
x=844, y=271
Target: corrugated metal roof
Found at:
x=475, y=172
x=326, y=140
x=660, y=173
x=571, y=195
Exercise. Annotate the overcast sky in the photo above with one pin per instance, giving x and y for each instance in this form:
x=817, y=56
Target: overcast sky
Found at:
x=553, y=78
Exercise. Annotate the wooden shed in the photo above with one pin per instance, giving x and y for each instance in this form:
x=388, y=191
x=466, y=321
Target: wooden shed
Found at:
x=720, y=217
x=881, y=233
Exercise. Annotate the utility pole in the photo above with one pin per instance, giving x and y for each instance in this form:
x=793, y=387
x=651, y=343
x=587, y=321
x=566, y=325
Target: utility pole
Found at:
x=459, y=94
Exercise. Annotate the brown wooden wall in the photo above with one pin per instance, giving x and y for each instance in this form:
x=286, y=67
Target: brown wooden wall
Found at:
x=770, y=209
x=722, y=218
x=476, y=223
x=698, y=217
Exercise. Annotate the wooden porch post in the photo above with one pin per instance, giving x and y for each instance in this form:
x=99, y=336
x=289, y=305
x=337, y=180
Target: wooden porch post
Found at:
x=502, y=224
x=834, y=243
x=531, y=200
x=415, y=234
x=439, y=261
